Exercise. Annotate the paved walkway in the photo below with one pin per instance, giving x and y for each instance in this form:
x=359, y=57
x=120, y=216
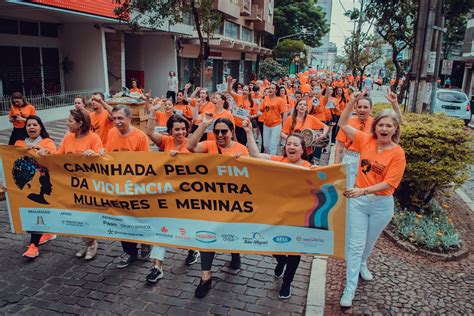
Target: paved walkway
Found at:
x=56, y=282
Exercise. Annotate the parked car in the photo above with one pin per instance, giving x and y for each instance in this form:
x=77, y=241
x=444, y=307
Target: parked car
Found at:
x=453, y=103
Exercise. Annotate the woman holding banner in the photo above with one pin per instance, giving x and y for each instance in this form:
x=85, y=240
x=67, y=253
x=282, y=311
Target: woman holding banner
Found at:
x=39, y=140
x=294, y=153
x=80, y=140
x=382, y=164
x=223, y=130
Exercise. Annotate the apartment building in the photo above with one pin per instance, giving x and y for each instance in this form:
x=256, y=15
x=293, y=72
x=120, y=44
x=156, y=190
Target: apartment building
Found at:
x=236, y=46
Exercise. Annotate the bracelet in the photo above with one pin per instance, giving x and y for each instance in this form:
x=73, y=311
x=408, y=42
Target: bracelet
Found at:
x=366, y=192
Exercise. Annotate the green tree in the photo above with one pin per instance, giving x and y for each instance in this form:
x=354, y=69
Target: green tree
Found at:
x=154, y=13
x=295, y=16
x=394, y=22
x=455, y=15
x=289, y=49
x=272, y=69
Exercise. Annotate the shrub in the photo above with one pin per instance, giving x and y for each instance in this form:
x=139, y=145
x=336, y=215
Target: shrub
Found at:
x=379, y=106
x=272, y=69
x=439, y=154
x=433, y=232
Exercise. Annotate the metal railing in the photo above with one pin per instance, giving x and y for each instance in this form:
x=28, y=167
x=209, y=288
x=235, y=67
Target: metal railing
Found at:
x=47, y=101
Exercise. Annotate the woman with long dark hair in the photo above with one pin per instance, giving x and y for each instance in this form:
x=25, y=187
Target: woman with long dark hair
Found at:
x=39, y=140
x=19, y=111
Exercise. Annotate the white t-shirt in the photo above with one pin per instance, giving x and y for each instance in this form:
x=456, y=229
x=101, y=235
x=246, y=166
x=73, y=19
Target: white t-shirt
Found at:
x=172, y=83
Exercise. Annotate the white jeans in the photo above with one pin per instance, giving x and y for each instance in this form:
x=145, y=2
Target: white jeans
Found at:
x=368, y=215
x=158, y=253
x=271, y=139
x=351, y=158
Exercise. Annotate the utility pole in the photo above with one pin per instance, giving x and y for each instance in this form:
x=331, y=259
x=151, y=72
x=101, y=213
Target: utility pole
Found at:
x=426, y=53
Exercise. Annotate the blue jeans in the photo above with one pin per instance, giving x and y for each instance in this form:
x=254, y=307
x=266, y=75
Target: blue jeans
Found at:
x=368, y=216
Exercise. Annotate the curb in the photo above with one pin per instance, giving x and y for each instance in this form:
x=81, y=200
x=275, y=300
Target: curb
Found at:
x=465, y=198
x=315, y=299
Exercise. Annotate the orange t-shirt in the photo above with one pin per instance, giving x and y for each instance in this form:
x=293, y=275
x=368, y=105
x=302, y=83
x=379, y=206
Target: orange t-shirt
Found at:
x=136, y=140
x=206, y=108
x=286, y=160
x=310, y=122
x=161, y=118
x=318, y=104
x=224, y=114
x=71, y=145
x=47, y=143
x=184, y=109
x=132, y=90
x=354, y=122
x=305, y=88
x=244, y=104
x=272, y=109
x=167, y=144
x=387, y=166
x=23, y=111
x=212, y=148
x=101, y=124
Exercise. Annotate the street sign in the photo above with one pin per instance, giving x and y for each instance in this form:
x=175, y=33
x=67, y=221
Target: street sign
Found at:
x=447, y=67
x=430, y=67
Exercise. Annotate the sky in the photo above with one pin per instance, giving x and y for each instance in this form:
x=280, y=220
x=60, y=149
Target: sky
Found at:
x=341, y=27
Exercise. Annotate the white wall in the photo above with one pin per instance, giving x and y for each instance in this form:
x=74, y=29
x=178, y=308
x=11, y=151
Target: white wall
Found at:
x=84, y=45
x=159, y=59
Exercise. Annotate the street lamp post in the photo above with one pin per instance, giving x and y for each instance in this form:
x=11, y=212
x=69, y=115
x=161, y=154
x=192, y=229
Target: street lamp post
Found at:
x=292, y=35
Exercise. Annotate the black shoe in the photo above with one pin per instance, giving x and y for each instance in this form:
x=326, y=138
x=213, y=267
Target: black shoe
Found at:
x=145, y=251
x=235, y=262
x=285, y=291
x=192, y=257
x=202, y=289
x=126, y=261
x=154, y=275
x=279, y=270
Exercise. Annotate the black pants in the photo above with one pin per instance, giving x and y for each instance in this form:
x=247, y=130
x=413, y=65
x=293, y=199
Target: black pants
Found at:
x=171, y=94
x=208, y=257
x=130, y=248
x=335, y=129
x=241, y=135
x=260, y=128
x=291, y=263
x=17, y=134
x=35, y=239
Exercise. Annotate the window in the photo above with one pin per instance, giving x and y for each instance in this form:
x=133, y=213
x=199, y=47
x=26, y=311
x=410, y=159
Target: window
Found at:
x=231, y=30
x=453, y=97
x=188, y=18
x=10, y=69
x=247, y=35
x=29, y=28
x=49, y=29
x=8, y=26
x=51, y=77
x=31, y=70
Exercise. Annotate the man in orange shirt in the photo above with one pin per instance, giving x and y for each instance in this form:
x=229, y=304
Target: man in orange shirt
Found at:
x=101, y=118
x=125, y=137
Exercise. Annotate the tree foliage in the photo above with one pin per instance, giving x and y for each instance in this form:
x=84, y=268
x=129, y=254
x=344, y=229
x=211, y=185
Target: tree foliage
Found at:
x=289, y=49
x=153, y=14
x=295, y=16
x=438, y=153
x=394, y=22
x=455, y=14
x=272, y=69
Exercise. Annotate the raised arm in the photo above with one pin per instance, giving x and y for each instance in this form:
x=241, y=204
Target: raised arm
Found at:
x=393, y=99
x=251, y=144
x=230, y=84
x=344, y=119
x=155, y=137
x=193, y=144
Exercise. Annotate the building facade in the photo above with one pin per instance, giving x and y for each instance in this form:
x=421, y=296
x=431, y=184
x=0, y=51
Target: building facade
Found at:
x=235, y=47
x=322, y=57
x=468, y=57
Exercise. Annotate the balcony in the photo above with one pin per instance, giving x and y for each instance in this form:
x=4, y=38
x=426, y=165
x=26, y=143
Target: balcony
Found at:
x=230, y=8
x=255, y=15
x=264, y=26
x=245, y=7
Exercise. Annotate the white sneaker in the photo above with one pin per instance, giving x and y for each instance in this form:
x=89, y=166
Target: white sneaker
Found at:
x=365, y=273
x=346, y=298
x=81, y=252
x=91, y=251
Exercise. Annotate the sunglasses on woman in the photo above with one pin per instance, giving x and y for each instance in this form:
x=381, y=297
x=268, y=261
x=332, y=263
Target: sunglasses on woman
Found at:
x=223, y=132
